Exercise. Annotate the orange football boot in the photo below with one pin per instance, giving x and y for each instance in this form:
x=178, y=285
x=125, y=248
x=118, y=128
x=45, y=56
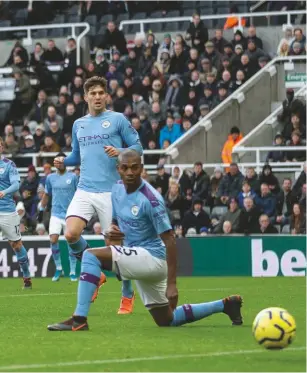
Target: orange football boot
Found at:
x=126, y=305
x=102, y=281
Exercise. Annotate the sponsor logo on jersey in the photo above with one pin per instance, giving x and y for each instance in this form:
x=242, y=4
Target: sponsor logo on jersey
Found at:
x=105, y=124
x=82, y=139
x=135, y=210
x=68, y=181
x=2, y=170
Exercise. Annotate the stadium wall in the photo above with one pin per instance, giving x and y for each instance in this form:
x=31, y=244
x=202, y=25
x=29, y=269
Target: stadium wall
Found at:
x=257, y=256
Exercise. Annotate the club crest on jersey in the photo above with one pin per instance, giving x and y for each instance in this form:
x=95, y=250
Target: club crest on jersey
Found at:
x=135, y=210
x=2, y=170
x=105, y=124
x=68, y=181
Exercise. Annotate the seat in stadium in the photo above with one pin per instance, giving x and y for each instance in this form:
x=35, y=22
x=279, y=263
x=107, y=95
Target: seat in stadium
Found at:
x=207, y=12
x=173, y=13
x=139, y=15
x=243, y=8
x=21, y=17
x=102, y=29
x=60, y=18
x=188, y=12
x=218, y=211
x=277, y=227
x=207, y=209
x=41, y=33
x=156, y=14
x=73, y=11
x=107, y=18
x=285, y=229
x=171, y=26
x=4, y=34
x=91, y=20
x=73, y=19
x=190, y=4
x=56, y=33
x=154, y=27
x=205, y=4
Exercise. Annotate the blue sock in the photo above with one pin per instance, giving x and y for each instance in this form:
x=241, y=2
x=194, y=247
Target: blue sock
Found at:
x=193, y=312
x=72, y=261
x=23, y=261
x=127, y=290
x=89, y=279
x=56, y=254
x=78, y=247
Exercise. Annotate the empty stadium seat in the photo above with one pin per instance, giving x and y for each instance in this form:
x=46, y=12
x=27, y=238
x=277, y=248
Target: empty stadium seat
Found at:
x=157, y=14
x=73, y=11
x=139, y=15
x=92, y=20
x=4, y=34
x=190, y=4
x=109, y=17
x=102, y=29
x=173, y=13
x=60, y=18
x=207, y=209
x=219, y=211
x=277, y=227
x=41, y=33
x=154, y=27
x=205, y=4
x=21, y=16
x=55, y=33
x=286, y=229
x=188, y=12
x=73, y=19
x=171, y=26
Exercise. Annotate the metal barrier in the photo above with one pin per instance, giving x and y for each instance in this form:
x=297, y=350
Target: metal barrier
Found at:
x=72, y=26
x=142, y=22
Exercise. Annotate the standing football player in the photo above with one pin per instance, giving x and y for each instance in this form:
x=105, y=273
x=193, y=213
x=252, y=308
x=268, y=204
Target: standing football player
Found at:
x=61, y=187
x=97, y=140
x=9, y=219
x=149, y=256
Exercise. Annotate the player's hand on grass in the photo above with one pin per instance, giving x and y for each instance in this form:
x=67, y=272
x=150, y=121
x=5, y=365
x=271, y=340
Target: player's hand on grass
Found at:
x=2, y=194
x=172, y=295
x=58, y=162
x=111, y=151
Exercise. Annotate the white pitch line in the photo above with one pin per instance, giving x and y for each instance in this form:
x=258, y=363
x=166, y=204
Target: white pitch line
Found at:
x=105, y=292
x=139, y=359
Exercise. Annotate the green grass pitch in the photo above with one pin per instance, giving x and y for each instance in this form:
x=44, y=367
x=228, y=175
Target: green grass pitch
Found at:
x=133, y=342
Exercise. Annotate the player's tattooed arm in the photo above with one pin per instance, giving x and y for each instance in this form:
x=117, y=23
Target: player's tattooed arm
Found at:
x=171, y=256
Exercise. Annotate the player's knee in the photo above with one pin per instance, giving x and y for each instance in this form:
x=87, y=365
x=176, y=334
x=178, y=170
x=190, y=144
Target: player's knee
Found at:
x=163, y=323
x=72, y=236
x=54, y=239
x=16, y=245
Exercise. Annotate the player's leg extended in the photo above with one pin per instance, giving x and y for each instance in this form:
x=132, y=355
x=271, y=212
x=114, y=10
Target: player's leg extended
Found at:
x=187, y=313
x=71, y=256
x=56, y=255
x=22, y=257
x=103, y=206
x=93, y=261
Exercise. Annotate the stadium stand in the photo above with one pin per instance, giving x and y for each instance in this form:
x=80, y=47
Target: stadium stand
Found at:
x=183, y=92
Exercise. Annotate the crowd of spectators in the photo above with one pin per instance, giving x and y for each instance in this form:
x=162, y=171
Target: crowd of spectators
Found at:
x=164, y=87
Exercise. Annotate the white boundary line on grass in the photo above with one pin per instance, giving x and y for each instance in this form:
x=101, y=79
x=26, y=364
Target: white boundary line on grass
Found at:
x=105, y=292
x=139, y=359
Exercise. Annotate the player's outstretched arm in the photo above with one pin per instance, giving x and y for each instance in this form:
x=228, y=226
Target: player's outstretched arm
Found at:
x=171, y=256
x=14, y=187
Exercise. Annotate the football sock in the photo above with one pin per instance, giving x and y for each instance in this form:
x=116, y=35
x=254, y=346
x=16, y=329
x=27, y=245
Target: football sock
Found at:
x=78, y=247
x=23, y=261
x=56, y=254
x=193, y=312
x=89, y=280
x=127, y=290
x=72, y=261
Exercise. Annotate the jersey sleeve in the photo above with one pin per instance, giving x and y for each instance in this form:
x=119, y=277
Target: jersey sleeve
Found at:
x=13, y=173
x=48, y=187
x=159, y=216
x=74, y=157
x=129, y=135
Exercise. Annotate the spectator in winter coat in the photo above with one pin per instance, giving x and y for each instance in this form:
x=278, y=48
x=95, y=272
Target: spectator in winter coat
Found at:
x=298, y=220
x=300, y=181
x=296, y=155
x=52, y=54
x=231, y=184
x=200, y=182
x=300, y=38
x=178, y=61
x=171, y=131
x=166, y=44
x=197, y=32
x=100, y=63
x=247, y=192
x=114, y=37
x=52, y=116
x=11, y=146
x=251, y=34
x=29, y=145
x=196, y=218
x=175, y=203
x=214, y=186
x=267, y=177
x=253, y=180
x=248, y=67
x=238, y=82
x=277, y=155
x=234, y=137
x=284, y=203
x=139, y=104
x=265, y=227
x=239, y=38
x=232, y=215
x=295, y=124
x=218, y=41
x=162, y=179
x=253, y=52
x=222, y=94
x=213, y=55
x=173, y=97
x=39, y=109
x=249, y=218
x=267, y=201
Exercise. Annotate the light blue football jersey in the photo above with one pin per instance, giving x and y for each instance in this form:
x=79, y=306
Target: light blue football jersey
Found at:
x=142, y=217
x=62, y=189
x=8, y=175
x=89, y=136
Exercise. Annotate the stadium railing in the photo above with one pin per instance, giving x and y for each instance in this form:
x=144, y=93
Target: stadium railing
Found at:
x=142, y=22
x=262, y=134
x=72, y=26
x=245, y=108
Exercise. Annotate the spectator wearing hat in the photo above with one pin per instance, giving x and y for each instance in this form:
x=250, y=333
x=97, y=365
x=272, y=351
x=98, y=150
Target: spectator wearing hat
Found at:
x=291, y=106
x=232, y=215
x=240, y=39
x=235, y=61
x=208, y=97
x=29, y=145
x=222, y=94
x=249, y=217
x=153, y=44
x=267, y=177
x=253, y=52
x=166, y=44
x=200, y=182
x=300, y=38
x=263, y=61
x=225, y=66
x=162, y=179
x=178, y=61
x=139, y=105
x=266, y=201
x=234, y=137
x=251, y=34
x=277, y=155
x=113, y=37
x=246, y=192
x=228, y=50
x=189, y=113
x=196, y=218
x=204, y=110
x=265, y=226
x=206, y=68
x=11, y=145
x=174, y=93
x=212, y=54
x=171, y=131
x=139, y=46
x=231, y=184
x=219, y=41
x=215, y=180
x=197, y=32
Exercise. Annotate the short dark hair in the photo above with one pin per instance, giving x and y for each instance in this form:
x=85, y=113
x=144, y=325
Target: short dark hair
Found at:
x=61, y=154
x=93, y=81
x=287, y=178
x=298, y=29
x=198, y=164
